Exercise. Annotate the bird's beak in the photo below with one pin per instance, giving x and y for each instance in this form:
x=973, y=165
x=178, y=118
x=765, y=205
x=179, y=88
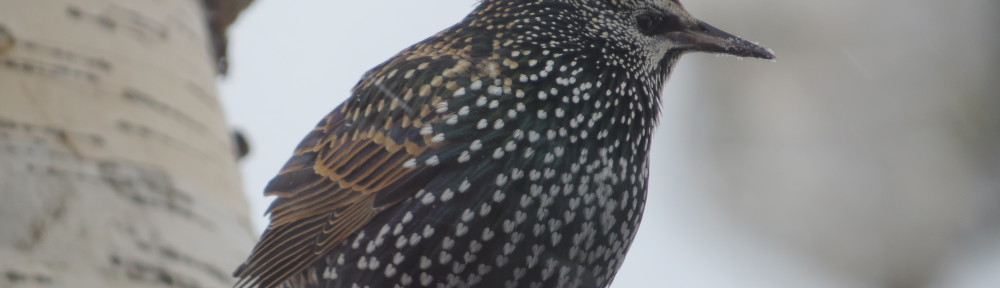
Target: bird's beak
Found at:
x=706, y=38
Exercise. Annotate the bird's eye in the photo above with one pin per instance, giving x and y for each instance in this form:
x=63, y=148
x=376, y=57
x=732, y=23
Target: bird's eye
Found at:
x=651, y=24
x=647, y=23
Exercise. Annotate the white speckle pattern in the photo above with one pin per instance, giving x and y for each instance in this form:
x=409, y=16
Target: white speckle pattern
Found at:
x=534, y=140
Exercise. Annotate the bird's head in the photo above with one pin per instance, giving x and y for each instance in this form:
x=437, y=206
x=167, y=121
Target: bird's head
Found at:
x=639, y=34
x=623, y=49
x=659, y=29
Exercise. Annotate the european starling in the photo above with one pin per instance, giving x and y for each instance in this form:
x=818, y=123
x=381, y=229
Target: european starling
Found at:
x=509, y=150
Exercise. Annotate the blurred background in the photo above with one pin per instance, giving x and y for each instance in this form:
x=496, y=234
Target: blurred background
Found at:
x=867, y=155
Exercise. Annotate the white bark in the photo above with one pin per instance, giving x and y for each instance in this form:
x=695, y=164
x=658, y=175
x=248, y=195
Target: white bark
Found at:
x=116, y=165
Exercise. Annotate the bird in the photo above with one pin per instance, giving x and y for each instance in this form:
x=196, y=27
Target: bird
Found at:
x=508, y=150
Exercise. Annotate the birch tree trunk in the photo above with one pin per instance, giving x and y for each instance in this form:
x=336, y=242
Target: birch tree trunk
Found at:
x=116, y=164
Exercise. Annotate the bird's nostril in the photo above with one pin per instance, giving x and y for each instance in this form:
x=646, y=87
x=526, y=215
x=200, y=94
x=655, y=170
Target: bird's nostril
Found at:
x=702, y=27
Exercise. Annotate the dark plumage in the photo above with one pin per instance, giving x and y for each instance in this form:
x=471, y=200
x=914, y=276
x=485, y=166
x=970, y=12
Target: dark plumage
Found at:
x=510, y=150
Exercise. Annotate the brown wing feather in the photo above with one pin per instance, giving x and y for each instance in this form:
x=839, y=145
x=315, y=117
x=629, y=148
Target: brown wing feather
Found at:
x=326, y=192
x=350, y=167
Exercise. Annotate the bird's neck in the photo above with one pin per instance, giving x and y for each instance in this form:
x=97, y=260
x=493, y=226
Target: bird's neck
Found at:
x=580, y=106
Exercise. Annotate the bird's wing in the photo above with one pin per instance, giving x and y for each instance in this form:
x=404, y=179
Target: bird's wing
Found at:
x=348, y=169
